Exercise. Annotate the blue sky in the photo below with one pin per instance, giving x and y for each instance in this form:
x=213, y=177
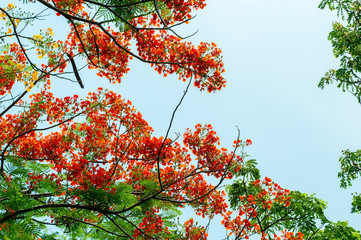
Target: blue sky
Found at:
x=275, y=52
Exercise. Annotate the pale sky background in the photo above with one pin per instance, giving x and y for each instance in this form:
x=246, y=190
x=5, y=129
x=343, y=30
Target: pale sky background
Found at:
x=275, y=52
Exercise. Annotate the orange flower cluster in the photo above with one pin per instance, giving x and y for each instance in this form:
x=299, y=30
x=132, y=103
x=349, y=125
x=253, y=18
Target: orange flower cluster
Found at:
x=181, y=9
x=203, y=143
x=103, y=54
x=109, y=51
x=193, y=232
x=203, y=62
x=246, y=223
x=151, y=224
x=288, y=235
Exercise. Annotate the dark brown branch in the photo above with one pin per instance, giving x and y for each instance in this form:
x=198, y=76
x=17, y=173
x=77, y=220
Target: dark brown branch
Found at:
x=82, y=44
x=44, y=206
x=166, y=136
x=135, y=226
x=121, y=229
x=116, y=6
x=75, y=69
x=94, y=225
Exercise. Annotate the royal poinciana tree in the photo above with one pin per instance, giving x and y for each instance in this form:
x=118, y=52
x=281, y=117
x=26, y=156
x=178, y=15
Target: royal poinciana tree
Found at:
x=91, y=168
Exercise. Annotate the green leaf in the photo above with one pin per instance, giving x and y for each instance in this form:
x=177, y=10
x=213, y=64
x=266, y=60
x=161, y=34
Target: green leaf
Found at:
x=350, y=167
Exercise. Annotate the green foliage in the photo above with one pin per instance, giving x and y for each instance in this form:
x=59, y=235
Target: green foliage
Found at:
x=337, y=231
x=304, y=214
x=350, y=167
x=350, y=170
x=121, y=12
x=120, y=197
x=346, y=46
x=346, y=43
x=249, y=170
x=356, y=204
x=247, y=175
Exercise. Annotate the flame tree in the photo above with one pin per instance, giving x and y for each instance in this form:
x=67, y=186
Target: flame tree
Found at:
x=91, y=167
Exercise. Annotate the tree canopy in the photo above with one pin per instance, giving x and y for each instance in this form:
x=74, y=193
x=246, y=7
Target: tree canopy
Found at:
x=91, y=167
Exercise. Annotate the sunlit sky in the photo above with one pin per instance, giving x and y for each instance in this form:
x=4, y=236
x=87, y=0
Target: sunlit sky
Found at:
x=275, y=52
